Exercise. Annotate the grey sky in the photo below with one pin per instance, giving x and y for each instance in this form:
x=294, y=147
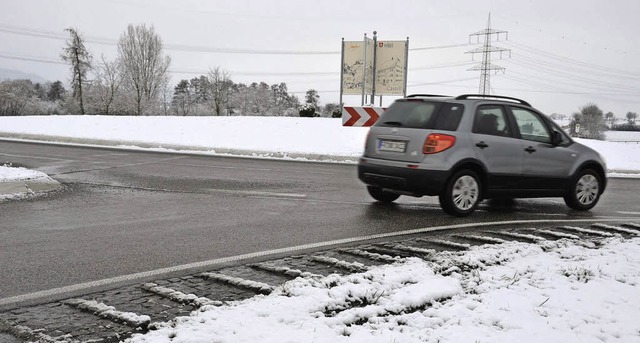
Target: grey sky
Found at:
x=564, y=53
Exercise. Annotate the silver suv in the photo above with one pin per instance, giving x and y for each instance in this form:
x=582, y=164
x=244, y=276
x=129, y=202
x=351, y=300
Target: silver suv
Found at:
x=472, y=147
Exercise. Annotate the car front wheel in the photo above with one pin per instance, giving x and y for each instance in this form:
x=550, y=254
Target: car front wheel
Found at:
x=462, y=194
x=584, y=191
x=382, y=196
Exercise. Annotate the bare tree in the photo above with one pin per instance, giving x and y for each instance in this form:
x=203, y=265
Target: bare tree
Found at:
x=106, y=85
x=220, y=91
x=144, y=64
x=23, y=97
x=76, y=54
x=13, y=98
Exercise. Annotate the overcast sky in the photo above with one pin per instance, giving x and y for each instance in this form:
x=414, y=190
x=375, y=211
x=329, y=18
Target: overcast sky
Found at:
x=564, y=53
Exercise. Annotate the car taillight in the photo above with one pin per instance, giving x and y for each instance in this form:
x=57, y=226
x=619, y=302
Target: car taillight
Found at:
x=437, y=142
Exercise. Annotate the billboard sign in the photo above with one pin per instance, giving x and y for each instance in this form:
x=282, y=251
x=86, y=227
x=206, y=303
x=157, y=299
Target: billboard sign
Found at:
x=357, y=67
x=390, y=67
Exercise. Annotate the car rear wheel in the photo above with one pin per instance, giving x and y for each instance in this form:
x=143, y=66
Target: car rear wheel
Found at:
x=584, y=191
x=382, y=196
x=462, y=194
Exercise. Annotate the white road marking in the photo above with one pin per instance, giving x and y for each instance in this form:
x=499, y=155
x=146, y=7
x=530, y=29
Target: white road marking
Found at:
x=178, y=296
x=616, y=229
x=259, y=194
x=289, y=250
x=445, y=242
x=103, y=310
x=631, y=213
x=586, y=231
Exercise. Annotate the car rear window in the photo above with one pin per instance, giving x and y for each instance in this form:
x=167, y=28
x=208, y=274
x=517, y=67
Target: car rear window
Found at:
x=422, y=115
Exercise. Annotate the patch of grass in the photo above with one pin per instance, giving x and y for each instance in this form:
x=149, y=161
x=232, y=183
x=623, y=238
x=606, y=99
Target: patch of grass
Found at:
x=353, y=302
x=581, y=274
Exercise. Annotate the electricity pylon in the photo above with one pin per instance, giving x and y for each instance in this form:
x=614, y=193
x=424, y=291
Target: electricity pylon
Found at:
x=487, y=49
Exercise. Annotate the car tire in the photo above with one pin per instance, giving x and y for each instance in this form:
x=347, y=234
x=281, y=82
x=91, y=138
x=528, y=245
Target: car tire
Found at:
x=382, y=196
x=462, y=193
x=584, y=191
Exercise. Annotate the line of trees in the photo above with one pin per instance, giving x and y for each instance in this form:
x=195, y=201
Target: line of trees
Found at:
x=137, y=83
x=591, y=122
x=216, y=94
x=21, y=97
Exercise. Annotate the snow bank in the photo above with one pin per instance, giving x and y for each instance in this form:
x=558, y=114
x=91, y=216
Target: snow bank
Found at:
x=558, y=291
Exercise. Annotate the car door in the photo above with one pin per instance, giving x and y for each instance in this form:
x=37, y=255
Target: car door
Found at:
x=545, y=166
x=497, y=147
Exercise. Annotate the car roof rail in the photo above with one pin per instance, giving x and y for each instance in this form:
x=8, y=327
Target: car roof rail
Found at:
x=499, y=97
x=428, y=96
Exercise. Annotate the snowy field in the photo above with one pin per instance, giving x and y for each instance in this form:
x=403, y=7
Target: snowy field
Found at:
x=563, y=291
x=312, y=139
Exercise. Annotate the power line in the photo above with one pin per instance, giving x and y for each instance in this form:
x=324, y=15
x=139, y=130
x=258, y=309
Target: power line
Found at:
x=195, y=48
x=551, y=89
x=441, y=82
x=240, y=73
x=572, y=68
x=30, y=59
x=540, y=30
x=546, y=54
x=584, y=81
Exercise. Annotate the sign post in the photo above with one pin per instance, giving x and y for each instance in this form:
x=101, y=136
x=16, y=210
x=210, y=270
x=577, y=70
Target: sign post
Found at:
x=341, y=73
x=406, y=66
x=364, y=67
x=375, y=50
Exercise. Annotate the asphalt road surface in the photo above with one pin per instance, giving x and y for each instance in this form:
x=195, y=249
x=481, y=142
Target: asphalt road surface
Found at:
x=122, y=212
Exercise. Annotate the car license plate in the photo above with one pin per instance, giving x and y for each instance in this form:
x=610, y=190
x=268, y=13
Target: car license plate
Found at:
x=392, y=146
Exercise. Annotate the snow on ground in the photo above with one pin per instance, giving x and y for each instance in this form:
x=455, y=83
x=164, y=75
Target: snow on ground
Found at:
x=303, y=138
x=9, y=173
x=12, y=176
x=561, y=291
x=310, y=136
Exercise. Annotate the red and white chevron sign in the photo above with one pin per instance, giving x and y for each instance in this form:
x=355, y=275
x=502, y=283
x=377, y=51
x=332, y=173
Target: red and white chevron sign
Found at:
x=360, y=116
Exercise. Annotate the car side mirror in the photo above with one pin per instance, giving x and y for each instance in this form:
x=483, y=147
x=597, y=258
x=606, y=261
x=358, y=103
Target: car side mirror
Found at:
x=556, y=138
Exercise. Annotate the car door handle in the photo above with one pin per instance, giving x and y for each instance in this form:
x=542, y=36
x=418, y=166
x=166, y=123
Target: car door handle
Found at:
x=530, y=149
x=482, y=145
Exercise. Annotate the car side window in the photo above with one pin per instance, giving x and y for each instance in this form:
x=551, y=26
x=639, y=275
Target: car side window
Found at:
x=491, y=120
x=532, y=127
x=449, y=117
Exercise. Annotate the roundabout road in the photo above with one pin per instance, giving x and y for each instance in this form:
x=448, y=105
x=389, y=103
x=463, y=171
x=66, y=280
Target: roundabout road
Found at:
x=124, y=212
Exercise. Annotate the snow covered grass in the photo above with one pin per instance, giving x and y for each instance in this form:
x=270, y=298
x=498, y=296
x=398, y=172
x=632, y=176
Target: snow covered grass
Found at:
x=555, y=291
x=276, y=135
x=282, y=137
x=632, y=136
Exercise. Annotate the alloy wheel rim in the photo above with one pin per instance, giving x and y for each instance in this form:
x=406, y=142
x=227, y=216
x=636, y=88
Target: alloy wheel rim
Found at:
x=465, y=192
x=587, y=189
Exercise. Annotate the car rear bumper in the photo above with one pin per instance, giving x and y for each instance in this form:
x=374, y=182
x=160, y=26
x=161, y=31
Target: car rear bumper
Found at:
x=413, y=181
